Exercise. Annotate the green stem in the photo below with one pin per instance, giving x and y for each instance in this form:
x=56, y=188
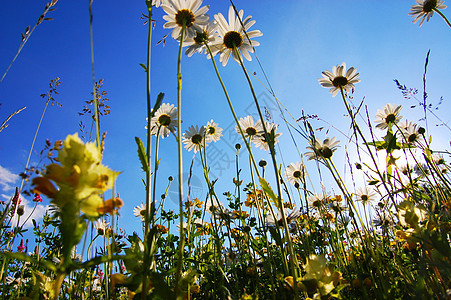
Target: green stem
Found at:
x=94, y=91
x=152, y=208
x=231, y=108
x=27, y=36
x=32, y=144
x=23, y=180
x=148, y=153
x=180, y=159
x=356, y=129
x=293, y=260
x=442, y=15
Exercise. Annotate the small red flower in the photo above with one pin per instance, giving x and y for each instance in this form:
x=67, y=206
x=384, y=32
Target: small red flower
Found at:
x=37, y=198
x=21, y=247
x=16, y=199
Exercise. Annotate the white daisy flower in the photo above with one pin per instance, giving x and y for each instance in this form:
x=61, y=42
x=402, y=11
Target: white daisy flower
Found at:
x=322, y=149
x=389, y=114
x=343, y=220
x=366, y=195
x=250, y=129
x=198, y=223
x=383, y=219
x=262, y=142
x=193, y=138
x=424, y=9
x=444, y=169
x=290, y=216
x=339, y=78
x=165, y=119
x=185, y=12
x=409, y=132
x=156, y=3
x=185, y=226
x=208, y=35
x=140, y=212
x=337, y=205
x=232, y=35
x=101, y=226
x=422, y=169
x=295, y=173
x=214, y=206
x=96, y=285
x=438, y=159
x=317, y=200
x=77, y=257
x=212, y=132
x=405, y=169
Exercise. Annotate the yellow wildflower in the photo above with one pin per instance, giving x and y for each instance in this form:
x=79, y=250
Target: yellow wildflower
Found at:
x=80, y=177
x=411, y=215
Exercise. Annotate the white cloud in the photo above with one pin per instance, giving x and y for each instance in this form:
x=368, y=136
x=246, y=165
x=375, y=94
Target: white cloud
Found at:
x=7, y=179
x=7, y=185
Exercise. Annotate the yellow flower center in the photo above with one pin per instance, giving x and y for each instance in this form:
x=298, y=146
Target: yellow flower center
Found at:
x=412, y=138
x=211, y=130
x=340, y=81
x=316, y=203
x=232, y=39
x=297, y=174
x=196, y=139
x=185, y=16
x=326, y=152
x=164, y=120
x=428, y=6
x=390, y=118
x=251, y=131
x=200, y=37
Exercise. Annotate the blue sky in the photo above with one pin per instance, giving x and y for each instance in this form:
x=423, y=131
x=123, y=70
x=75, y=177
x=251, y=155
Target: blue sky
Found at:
x=300, y=40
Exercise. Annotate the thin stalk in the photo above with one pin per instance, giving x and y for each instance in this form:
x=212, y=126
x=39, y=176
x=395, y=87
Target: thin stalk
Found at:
x=148, y=151
x=27, y=35
x=94, y=92
x=231, y=108
x=10, y=242
x=357, y=130
x=262, y=223
x=180, y=158
x=293, y=260
x=152, y=208
x=32, y=144
x=344, y=189
x=442, y=15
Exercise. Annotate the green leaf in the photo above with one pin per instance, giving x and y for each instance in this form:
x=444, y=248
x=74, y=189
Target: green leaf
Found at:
x=26, y=258
x=390, y=142
x=275, y=235
x=161, y=289
x=268, y=190
x=144, y=67
x=97, y=261
x=379, y=145
x=157, y=105
x=142, y=154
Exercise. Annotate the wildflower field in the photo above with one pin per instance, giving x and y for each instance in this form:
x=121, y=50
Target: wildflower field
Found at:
x=275, y=203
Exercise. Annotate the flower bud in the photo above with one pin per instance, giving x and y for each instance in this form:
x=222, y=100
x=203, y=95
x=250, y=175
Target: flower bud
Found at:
x=20, y=210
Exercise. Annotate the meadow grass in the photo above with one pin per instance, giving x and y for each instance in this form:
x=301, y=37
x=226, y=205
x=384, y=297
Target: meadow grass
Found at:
x=275, y=234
